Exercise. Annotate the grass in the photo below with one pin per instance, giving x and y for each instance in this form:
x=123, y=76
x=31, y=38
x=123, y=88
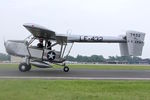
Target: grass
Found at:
x=98, y=67
x=4, y=66
x=112, y=67
x=74, y=90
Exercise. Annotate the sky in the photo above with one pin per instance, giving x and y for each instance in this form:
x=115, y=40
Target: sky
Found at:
x=79, y=17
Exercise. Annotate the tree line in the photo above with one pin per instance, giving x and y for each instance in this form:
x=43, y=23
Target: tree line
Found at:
x=101, y=59
x=4, y=57
x=93, y=59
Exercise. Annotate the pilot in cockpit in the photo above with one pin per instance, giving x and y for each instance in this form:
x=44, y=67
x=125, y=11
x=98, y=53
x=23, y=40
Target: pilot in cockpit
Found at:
x=49, y=45
x=40, y=44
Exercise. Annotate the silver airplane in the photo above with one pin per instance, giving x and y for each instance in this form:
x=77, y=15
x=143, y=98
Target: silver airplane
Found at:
x=43, y=55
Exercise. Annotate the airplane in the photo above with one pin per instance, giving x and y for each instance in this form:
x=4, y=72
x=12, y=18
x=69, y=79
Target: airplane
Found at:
x=44, y=56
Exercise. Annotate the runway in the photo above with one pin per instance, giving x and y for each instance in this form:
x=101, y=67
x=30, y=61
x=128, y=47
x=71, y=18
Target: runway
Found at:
x=76, y=74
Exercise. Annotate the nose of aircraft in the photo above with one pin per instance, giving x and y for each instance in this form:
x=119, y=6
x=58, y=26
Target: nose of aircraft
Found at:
x=10, y=48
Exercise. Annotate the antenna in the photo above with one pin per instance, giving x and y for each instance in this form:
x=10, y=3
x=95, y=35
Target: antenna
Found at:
x=69, y=31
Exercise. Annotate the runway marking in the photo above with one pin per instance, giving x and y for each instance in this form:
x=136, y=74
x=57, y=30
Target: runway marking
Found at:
x=73, y=78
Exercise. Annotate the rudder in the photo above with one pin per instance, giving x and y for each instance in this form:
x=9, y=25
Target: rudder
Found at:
x=134, y=45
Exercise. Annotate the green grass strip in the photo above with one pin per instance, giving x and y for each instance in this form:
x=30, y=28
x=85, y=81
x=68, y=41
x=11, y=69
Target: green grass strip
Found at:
x=74, y=90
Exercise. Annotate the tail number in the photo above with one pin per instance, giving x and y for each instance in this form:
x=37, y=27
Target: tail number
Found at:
x=92, y=38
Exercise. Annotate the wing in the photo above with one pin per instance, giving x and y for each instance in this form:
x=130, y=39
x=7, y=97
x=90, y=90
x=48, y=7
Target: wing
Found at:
x=40, y=31
x=61, y=39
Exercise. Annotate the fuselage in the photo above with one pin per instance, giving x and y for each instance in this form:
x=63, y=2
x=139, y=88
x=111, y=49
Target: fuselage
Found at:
x=95, y=39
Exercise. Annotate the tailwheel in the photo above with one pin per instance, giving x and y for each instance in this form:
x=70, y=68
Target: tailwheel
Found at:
x=66, y=69
x=23, y=67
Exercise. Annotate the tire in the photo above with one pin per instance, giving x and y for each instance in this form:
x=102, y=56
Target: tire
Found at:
x=29, y=67
x=66, y=69
x=23, y=67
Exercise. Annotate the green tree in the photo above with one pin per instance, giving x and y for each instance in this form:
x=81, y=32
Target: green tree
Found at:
x=4, y=57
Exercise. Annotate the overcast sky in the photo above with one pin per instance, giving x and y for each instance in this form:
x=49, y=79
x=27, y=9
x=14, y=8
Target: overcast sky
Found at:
x=86, y=17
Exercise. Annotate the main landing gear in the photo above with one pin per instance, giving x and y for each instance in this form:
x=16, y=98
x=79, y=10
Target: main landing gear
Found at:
x=23, y=67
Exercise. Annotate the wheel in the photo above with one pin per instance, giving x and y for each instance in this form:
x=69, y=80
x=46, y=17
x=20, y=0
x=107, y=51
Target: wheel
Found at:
x=29, y=67
x=23, y=67
x=66, y=69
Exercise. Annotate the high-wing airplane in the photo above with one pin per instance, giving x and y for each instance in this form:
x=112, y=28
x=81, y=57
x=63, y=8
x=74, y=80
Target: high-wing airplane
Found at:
x=44, y=56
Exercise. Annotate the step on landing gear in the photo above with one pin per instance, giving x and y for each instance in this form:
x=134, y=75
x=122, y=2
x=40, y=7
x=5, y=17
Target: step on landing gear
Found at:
x=23, y=67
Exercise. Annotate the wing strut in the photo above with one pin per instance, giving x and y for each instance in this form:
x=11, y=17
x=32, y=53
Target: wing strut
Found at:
x=69, y=50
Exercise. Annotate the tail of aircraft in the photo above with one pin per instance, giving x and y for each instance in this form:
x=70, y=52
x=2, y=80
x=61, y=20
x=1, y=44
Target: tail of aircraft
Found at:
x=134, y=45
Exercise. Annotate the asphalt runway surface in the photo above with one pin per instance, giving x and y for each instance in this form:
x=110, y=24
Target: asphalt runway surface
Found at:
x=75, y=74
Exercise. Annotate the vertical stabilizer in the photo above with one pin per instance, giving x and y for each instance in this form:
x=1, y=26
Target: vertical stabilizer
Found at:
x=134, y=45
x=135, y=42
